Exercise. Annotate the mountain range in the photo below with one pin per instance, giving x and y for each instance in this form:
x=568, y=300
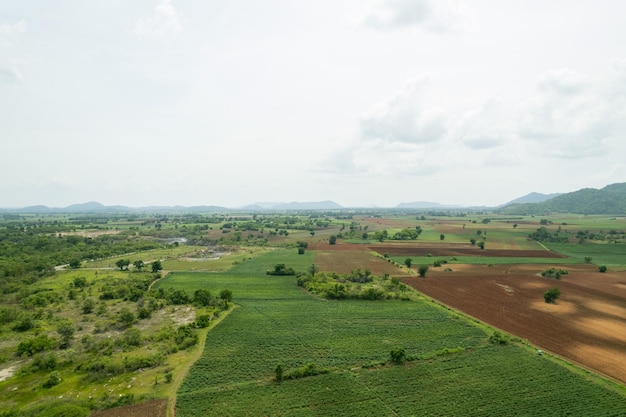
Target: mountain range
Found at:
x=608, y=200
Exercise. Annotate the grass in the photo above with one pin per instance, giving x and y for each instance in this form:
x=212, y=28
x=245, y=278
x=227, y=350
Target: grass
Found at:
x=609, y=254
x=278, y=323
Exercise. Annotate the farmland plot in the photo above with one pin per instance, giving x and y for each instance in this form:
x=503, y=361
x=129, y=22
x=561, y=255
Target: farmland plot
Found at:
x=278, y=323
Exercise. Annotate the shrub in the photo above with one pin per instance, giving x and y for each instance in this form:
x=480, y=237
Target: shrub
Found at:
x=551, y=295
x=422, y=270
x=498, y=338
x=602, y=268
x=398, y=355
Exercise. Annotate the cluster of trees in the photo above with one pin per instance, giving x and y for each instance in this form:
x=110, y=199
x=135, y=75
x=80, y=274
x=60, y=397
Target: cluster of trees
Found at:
x=356, y=285
x=34, y=250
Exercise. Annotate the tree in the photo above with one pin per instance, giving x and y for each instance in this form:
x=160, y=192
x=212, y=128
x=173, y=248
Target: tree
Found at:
x=551, y=295
x=122, y=264
x=422, y=270
x=481, y=244
x=126, y=317
x=88, y=306
x=442, y=236
x=66, y=331
x=156, y=266
x=202, y=297
x=75, y=263
x=332, y=240
x=80, y=282
x=301, y=250
x=473, y=241
x=139, y=265
x=408, y=262
x=515, y=226
x=588, y=259
x=226, y=295
x=602, y=268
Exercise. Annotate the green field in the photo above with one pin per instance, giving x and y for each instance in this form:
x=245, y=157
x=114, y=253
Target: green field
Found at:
x=277, y=323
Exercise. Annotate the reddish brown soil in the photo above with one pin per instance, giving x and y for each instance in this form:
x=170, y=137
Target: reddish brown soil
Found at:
x=444, y=249
x=152, y=408
x=345, y=261
x=587, y=324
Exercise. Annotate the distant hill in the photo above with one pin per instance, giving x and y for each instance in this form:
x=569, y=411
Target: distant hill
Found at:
x=532, y=198
x=608, y=200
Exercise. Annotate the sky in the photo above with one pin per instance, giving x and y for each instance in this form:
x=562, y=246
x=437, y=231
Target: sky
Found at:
x=365, y=103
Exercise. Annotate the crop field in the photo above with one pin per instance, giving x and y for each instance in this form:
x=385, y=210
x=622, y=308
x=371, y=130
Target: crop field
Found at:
x=586, y=325
x=335, y=355
x=276, y=323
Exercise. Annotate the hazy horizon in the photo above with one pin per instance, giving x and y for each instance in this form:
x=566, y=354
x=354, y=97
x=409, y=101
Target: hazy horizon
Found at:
x=377, y=103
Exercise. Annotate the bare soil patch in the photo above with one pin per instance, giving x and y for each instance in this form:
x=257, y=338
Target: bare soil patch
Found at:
x=587, y=324
x=459, y=250
x=344, y=262
x=152, y=408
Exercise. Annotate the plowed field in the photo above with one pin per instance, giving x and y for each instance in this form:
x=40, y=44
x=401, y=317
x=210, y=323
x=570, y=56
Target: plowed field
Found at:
x=586, y=325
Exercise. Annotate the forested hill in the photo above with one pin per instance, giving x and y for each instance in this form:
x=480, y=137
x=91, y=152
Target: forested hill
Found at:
x=608, y=200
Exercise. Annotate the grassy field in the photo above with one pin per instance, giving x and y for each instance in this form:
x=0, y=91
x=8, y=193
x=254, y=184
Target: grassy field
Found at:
x=608, y=254
x=277, y=323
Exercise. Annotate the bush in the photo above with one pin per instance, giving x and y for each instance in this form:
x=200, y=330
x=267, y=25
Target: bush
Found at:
x=551, y=295
x=602, y=268
x=422, y=270
x=498, y=338
x=53, y=379
x=397, y=355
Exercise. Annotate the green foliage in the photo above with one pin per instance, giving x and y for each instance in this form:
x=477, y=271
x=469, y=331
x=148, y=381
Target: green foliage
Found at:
x=53, y=379
x=407, y=234
x=66, y=330
x=310, y=369
x=34, y=345
x=408, y=262
x=126, y=317
x=543, y=235
x=332, y=239
x=281, y=269
x=554, y=273
x=552, y=295
x=156, y=266
x=499, y=338
x=226, y=295
x=278, y=373
x=422, y=270
x=64, y=410
x=602, y=268
x=397, y=355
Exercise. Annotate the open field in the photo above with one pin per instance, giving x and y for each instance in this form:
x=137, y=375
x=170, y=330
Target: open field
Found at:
x=586, y=325
x=346, y=342
x=277, y=323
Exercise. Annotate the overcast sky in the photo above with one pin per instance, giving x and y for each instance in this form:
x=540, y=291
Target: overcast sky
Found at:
x=230, y=102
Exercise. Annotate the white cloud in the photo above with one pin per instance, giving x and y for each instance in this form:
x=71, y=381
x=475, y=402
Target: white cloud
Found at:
x=569, y=117
x=484, y=127
x=10, y=34
x=405, y=117
x=165, y=21
x=390, y=14
x=435, y=16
